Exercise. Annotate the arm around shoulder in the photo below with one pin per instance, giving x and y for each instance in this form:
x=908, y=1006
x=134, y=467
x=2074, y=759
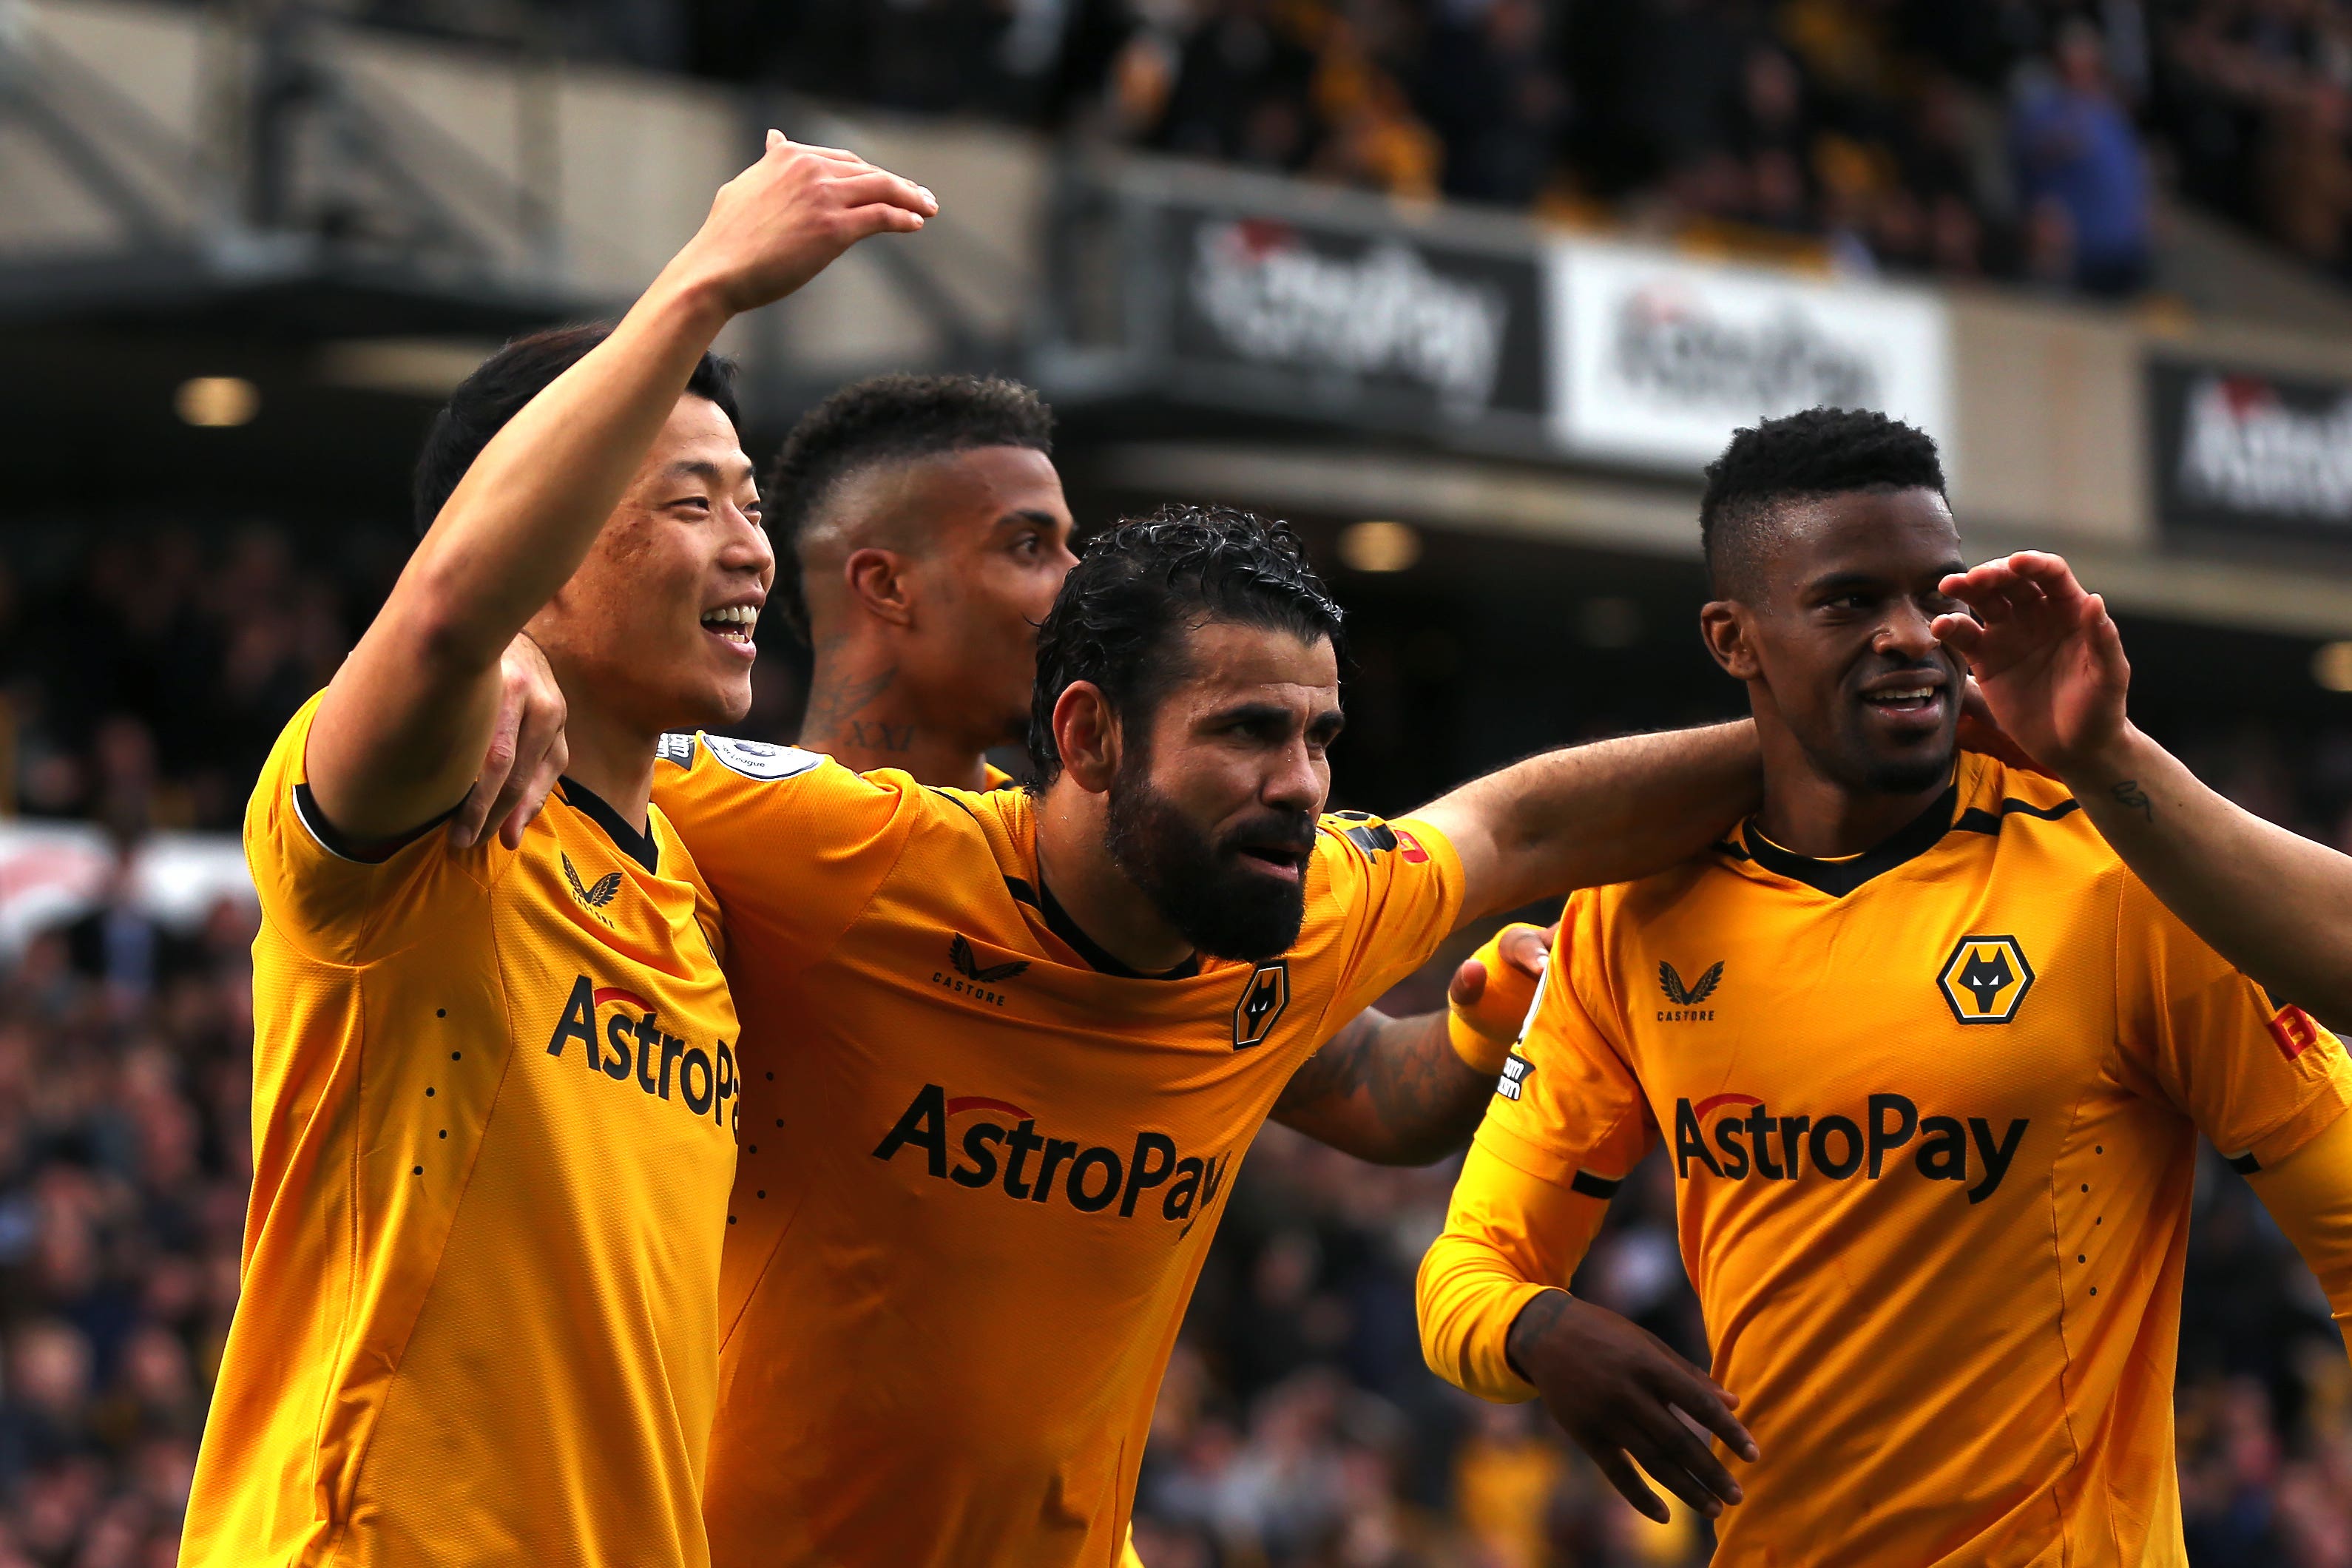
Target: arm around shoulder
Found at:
x=1588, y=816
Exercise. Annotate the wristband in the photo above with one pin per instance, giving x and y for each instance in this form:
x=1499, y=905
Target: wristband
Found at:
x=1482, y=1033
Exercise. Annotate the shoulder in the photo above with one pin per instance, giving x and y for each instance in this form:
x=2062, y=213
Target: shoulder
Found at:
x=724, y=757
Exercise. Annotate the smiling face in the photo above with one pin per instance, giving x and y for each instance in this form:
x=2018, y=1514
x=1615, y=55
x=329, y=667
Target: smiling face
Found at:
x=1833, y=637
x=655, y=628
x=1212, y=813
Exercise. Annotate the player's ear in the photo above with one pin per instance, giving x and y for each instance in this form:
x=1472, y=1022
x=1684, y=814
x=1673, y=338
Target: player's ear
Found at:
x=1723, y=627
x=1085, y=733
x=877, y=580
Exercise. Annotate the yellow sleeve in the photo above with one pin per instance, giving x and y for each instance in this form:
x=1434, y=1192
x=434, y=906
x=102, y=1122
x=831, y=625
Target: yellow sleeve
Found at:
x=339, y=901
x=791, y=844
x=1397, y=890
x=2259, y=1080
x=1566, y=1125
x=2310, y=1195
x=1508, y=1237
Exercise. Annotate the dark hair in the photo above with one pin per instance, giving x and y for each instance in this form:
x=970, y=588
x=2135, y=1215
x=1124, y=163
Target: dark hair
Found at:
x=510, y=378
x=1121, y=616
x=1802, y=456
x=885, y=419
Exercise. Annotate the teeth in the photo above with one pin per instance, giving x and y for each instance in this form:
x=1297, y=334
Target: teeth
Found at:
x=1907, y=695
x=734, y=623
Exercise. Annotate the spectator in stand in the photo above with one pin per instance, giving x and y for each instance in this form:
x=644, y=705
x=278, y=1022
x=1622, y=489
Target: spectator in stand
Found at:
x=1488, y=87
x=2075, y=147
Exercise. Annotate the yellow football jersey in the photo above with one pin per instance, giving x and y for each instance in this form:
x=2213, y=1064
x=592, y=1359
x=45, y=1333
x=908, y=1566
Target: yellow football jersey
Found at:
x=1933, y=1112
x=494, y=1096
x=981, y=1160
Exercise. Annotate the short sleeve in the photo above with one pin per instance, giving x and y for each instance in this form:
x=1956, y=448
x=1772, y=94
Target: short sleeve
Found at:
x=322, y=893
x=1396, y=891
x=2259, y=1080
x=1567, y=1109
x=791, y=844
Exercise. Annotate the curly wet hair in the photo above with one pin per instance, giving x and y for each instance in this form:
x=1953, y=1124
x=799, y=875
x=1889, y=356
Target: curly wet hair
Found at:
x=1121, y=615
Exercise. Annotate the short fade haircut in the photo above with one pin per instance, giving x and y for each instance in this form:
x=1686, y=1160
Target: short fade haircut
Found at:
x=894, y=418
x=500, y=387
x=1801, y=456
x=1122, y=613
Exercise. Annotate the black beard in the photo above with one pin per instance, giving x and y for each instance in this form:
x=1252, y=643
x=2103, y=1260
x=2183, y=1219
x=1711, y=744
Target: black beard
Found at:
x=1198, y=885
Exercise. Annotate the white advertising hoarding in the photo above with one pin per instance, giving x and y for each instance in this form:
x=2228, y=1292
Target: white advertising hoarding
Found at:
x=1656, y=359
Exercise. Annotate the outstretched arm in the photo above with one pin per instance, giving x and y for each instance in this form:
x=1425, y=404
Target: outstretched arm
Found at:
x=1408, y=1091
x=2052, y=666
x=1585, y=817
x=406, y=722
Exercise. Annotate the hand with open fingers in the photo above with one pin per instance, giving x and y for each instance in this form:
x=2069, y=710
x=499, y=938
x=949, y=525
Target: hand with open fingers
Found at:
x=2044, y=653
x=1626, y=1399
x=783, y=220
x=527, y=752
x=1493, y=992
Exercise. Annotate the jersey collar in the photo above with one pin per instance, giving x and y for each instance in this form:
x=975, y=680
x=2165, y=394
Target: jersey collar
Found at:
x=1841, y=876
x=1058, y=921
x=638, y=847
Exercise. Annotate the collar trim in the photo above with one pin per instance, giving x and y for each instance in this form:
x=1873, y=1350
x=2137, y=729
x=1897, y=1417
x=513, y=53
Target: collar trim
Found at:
x=1839, y=876
x=638, y=847
x=1058, y=921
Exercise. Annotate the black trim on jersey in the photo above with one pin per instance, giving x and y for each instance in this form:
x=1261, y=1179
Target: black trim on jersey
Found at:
x=1731, y=849
x=638, y=847
x=2245, y=1164
x=1023, y=893
x=1593, y=1187
x=306, y=806
x=1977, y=819
x=1839, y=878
x=1058, y=921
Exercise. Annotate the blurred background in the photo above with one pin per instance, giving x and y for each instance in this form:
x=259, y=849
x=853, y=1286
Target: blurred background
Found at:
x=1467, y=288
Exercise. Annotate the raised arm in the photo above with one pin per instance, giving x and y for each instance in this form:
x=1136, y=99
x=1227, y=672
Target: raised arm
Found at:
x=1585, y=817
x=406, y=722
x=2051, y=668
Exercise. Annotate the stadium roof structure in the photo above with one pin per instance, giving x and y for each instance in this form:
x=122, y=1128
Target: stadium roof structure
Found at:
x=255, y=173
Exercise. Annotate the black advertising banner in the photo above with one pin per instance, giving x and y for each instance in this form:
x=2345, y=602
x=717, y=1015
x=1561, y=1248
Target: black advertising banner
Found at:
x=1392, y=329
x=2238, y=450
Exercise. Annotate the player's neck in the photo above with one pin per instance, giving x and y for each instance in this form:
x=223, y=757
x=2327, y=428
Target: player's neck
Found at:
x=609, y=756
x=1806, y=812
x=1074, y=861
x=864, y=715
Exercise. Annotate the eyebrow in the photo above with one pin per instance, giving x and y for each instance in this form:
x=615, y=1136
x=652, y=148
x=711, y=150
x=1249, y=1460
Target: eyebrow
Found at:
x=703, y=469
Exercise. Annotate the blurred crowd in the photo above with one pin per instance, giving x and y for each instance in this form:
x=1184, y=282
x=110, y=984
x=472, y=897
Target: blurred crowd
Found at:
x=2016, y=139
x=1298, y=1426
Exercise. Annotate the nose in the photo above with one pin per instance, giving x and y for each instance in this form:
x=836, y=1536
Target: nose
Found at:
x=1297, y=780
x=748, y=548
x=1908, y=633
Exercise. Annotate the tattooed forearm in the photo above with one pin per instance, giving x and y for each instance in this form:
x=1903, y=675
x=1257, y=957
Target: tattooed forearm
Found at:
x=1390, y=1090
x=2133, y=798
x=1528, y=1330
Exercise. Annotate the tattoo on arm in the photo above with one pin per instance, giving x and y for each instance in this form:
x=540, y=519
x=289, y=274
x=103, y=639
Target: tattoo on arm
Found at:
x=1528, y=1330
x=2134, y=798
x=1392, y=1091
